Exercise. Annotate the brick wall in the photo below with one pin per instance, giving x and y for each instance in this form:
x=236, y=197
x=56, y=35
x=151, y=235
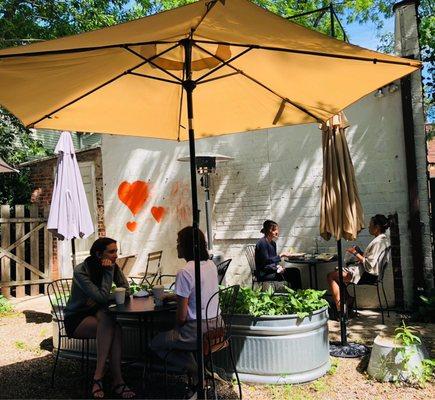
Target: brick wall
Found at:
x=42, y=178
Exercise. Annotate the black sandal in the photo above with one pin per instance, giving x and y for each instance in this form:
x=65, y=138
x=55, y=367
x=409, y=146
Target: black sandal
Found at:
x=124, y=389
x=99, y=383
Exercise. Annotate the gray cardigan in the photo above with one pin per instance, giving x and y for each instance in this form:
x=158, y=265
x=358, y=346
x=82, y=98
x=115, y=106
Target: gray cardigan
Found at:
x=85, y=295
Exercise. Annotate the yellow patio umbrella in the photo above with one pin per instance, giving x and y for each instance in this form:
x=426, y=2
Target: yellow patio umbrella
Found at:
x=341, y=212
x=242, y=67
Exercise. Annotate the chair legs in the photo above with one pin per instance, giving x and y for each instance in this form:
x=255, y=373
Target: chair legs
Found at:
x=233, y=364
x=386, y=301
x=380, y=304
x=55, y=361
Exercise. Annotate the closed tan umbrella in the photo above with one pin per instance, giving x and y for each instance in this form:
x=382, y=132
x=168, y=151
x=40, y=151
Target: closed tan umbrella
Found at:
x=341, y=213
x=237, y=65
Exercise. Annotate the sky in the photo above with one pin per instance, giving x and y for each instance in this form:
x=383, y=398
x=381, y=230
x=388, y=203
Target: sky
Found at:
x=365, y=35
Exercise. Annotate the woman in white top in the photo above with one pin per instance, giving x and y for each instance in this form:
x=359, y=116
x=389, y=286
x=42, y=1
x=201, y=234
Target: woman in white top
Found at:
x=183, y=337
x=367, y=264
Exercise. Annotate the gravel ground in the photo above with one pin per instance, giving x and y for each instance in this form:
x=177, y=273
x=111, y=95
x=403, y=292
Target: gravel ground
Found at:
x=26, y=362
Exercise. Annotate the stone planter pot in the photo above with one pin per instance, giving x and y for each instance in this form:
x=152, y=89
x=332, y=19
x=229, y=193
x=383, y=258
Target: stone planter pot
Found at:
x=391, y=362
x=279, y=349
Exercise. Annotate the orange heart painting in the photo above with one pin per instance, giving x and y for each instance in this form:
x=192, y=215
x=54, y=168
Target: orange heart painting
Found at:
x=133, y=195
x=158, y=213
x=131, y=226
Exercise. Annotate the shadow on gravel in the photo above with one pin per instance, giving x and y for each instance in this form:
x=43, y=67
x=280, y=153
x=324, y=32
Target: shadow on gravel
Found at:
x=35, y=317
x=31, y=379
x=47, y=344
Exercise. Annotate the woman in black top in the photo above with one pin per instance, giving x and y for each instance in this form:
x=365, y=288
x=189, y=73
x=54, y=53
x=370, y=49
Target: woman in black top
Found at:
x=86, y=314
x=267, y=260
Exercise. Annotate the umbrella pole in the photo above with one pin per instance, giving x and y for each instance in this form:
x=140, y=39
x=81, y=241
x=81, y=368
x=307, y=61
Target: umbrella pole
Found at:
x=342, y=295
x=344, y=349
x=189, y=86
x=73, y=252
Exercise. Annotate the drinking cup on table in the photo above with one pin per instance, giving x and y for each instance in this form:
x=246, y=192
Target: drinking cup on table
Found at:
x=120, y=295
x=158, y=291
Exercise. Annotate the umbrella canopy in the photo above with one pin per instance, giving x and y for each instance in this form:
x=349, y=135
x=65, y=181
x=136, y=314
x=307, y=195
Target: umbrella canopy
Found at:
x=241, y=68
x=4, y=167
x=341, y=213
x=69, y=211
x=252, y=69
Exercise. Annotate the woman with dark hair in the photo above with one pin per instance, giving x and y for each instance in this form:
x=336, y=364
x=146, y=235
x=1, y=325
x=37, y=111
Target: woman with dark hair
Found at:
x=86, y=313
x=177, y=344
x=267, y=260
x=366, y=266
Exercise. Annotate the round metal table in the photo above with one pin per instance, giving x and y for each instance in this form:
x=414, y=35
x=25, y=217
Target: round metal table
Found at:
x=312, y=265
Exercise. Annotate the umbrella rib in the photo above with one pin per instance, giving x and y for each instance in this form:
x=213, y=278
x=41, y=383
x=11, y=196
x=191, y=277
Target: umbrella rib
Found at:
x=180, y=110
x=209, y=6
x=222, y=65
x=311, y=53
x=218, y=77
x=97, y=88
x=153, y=77
x=83, y=49
x=149, y=60
x=284, y=99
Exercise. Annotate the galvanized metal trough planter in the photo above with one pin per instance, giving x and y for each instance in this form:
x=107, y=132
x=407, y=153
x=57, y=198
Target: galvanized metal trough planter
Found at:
x=279, y=349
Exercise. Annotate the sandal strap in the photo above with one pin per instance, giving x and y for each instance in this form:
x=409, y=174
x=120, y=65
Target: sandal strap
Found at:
x=99, y=383
x=124, y=389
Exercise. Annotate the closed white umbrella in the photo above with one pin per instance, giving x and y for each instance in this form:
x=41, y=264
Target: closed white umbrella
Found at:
x=69, y=212
x=4, y=167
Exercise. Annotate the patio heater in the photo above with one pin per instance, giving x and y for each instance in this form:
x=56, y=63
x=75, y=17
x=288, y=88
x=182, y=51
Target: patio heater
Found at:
x=205, y=166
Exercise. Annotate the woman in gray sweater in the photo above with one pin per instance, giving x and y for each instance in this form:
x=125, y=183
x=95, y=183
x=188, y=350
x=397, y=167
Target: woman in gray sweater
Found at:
x=86, y=314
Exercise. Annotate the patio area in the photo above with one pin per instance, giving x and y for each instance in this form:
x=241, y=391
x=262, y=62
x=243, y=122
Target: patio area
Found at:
x=26, y=362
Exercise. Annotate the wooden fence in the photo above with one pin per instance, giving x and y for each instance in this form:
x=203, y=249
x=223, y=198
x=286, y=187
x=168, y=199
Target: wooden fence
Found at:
x=25, y=251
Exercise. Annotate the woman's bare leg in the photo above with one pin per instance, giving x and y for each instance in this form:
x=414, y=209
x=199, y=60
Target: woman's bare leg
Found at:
x=115, y=362
x=334, y=286
x=102, y=327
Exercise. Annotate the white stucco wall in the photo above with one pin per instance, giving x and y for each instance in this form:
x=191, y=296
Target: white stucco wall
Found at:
x=276, y=173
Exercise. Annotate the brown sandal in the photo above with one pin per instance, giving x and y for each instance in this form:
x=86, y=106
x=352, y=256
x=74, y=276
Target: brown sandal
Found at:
x=124, y=389
x=99, y=383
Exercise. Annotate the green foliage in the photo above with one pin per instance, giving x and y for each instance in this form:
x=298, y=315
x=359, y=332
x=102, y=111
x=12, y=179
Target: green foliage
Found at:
x=421, y=373
x=134, y=287
x=258, y=303
x=5, y=306
x=405, y=336
x=426, y=308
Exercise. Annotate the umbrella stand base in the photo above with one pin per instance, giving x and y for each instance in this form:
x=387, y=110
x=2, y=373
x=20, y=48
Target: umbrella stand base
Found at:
x=349, y=350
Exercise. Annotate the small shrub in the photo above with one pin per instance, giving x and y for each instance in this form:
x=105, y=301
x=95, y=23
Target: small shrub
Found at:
x=5, y=306
x=258, y=303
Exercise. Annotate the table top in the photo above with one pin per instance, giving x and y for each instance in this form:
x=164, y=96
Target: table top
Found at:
x=140, y=305
x=313, y=259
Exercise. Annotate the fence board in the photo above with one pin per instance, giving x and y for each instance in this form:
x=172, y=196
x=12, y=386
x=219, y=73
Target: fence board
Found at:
x=20, y=252
x=34, y=249
x=5, y=241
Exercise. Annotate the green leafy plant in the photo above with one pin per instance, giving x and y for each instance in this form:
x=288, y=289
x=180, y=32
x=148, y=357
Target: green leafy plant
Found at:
x=422, y=373
x=135, y=287
x=258, y=303
x=5, y=305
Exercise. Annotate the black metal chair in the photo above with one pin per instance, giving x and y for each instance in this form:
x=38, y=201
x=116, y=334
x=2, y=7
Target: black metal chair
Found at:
x=379, y=282
x=58, y=293
x=218, y=332
x=222, y=269
x=153, y=258
x=250, y=255
x=165, y=276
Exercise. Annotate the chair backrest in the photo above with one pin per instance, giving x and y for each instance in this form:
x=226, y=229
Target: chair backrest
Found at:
x=222, y=269
x=58, y=293
x=166, y=277
x=219, y=328
x=384, y=263
x=250, y=255
x=153, y=266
